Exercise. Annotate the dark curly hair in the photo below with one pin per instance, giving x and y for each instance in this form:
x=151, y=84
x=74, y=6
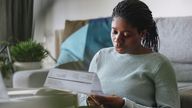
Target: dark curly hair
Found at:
x=137, y=13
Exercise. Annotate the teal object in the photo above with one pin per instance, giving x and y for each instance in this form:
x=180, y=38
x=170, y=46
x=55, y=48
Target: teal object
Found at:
x=73, y=48
x=85, y=42
x=98, y=36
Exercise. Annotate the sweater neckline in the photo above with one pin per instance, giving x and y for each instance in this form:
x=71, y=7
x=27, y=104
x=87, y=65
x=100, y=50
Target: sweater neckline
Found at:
x=135, y=55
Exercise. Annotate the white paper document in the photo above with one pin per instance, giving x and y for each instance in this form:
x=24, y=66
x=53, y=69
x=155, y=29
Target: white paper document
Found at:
x=76, y=81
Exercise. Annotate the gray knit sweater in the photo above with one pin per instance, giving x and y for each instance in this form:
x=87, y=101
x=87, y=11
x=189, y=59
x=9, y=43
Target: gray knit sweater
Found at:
x=144, y=81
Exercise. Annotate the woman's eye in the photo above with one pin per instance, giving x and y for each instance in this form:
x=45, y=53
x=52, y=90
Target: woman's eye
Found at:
x=114, y=32
x=126, y=34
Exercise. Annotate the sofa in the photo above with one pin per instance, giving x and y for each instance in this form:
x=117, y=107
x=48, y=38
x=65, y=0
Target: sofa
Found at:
x=175, y=35
x=175, y=42
x=35, y=98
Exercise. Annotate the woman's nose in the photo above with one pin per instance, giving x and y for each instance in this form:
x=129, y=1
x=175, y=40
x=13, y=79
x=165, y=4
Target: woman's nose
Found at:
x=119, y=37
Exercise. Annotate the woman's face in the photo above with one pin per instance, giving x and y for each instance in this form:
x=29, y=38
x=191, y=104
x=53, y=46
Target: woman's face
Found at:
x=125, y=38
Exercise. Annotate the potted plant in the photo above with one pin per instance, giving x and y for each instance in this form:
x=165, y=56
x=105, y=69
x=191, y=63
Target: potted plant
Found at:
x=28, y=55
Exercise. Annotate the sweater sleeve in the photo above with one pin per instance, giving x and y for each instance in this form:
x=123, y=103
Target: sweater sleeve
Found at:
x=94, y=63
x=166, y=93
x=131, y=104
x=166, y=87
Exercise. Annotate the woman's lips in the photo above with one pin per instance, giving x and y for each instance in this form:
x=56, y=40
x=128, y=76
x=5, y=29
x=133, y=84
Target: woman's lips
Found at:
x=119, y=48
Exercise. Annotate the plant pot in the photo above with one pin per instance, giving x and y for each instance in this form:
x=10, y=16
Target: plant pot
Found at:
x=27, y=65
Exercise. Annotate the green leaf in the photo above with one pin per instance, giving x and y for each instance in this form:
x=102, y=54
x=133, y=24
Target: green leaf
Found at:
x=28, y=51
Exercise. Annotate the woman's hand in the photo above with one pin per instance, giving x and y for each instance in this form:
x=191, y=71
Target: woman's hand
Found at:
x=98, y=101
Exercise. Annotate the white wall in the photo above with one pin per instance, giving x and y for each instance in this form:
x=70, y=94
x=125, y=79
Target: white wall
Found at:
x=85, y=9
x=81, y=9
x=168, y=8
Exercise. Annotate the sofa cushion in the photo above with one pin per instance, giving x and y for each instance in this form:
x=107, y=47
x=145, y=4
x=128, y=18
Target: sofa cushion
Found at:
x=175, y=38
x=29, y=78
x=86, y=41
x=72, y=49
x=183, y=71
x=71, y=27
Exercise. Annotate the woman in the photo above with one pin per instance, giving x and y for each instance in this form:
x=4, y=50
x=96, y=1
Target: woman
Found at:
x=132, y=73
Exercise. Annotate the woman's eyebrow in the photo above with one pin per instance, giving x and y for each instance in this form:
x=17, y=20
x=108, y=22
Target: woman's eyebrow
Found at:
x=122, y=31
